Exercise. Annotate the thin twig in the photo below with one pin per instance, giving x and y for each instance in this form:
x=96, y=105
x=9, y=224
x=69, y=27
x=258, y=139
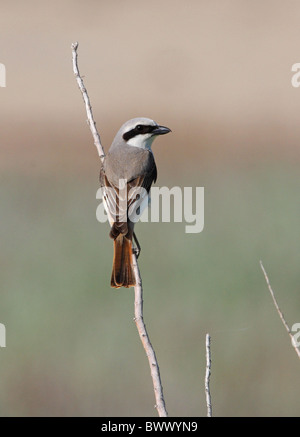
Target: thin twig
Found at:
x=139, y=321
x=279, y=311
x=138, y=290
x=88, y=107
x=207, y=376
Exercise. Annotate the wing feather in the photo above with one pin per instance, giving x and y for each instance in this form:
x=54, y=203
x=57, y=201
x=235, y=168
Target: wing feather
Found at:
x=121, y=202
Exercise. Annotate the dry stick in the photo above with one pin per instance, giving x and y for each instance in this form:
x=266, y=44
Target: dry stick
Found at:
x=90, y=118
x=279, y=311
x=138, y=290
x=139, y=321
x=207, y=376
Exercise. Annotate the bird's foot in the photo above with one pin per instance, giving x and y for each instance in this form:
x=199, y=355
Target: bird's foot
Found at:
x=136, y=251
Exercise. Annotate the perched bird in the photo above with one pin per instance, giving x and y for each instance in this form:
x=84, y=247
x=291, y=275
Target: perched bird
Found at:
x=126, y=176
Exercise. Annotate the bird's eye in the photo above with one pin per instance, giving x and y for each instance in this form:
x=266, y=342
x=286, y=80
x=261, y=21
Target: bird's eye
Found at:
x=139, y=127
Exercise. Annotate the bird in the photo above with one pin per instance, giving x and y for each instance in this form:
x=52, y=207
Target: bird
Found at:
x=126, y=175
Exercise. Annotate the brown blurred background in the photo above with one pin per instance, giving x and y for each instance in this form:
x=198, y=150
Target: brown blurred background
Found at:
x=218, y=73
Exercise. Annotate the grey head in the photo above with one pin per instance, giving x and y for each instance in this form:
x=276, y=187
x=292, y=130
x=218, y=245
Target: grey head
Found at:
x=138, y=132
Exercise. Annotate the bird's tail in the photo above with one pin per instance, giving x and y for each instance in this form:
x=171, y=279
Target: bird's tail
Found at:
x=122, y=270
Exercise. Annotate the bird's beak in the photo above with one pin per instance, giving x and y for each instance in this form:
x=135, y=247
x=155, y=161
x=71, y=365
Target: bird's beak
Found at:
x=161, y=130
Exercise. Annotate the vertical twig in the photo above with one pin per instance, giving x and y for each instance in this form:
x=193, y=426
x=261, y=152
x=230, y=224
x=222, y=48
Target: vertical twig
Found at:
x=139, y=321
x=138, y=290
x=88, y=107
x=279, y=311
x=207, y=376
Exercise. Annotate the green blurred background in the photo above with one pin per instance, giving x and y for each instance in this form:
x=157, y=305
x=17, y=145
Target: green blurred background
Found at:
x=218, y=73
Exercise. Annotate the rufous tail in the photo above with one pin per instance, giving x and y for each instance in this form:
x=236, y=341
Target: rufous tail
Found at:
x=122, y=270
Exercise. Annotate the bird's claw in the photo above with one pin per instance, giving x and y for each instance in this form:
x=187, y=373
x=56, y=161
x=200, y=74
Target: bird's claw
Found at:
x=136, y=251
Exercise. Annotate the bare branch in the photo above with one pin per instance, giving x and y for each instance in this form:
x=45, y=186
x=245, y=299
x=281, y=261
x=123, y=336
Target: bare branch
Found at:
x=139, y=321
x=279, y=311
x=90, y=118
x=207, y=376
x=138, y=290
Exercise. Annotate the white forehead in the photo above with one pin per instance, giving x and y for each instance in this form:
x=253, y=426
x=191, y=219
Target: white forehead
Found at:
x=131, y=124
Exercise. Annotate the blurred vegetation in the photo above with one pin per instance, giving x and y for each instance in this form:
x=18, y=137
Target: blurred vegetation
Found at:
x=72, y=346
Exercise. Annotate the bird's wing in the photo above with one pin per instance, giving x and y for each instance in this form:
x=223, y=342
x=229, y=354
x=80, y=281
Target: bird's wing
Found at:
x=127, y=201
